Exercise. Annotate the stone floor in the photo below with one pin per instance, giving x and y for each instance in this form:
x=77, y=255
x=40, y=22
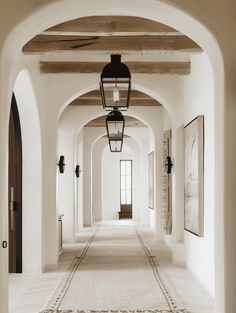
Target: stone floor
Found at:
x=29, y=293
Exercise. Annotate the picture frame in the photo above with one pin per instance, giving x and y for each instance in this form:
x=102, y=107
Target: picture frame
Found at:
x=194, y=176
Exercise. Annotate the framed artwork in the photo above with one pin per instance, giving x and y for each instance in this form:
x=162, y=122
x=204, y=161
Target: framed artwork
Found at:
x=151, y=180
x=194, y=176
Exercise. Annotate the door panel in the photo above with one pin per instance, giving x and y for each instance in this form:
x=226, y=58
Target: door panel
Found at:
x=15, y=191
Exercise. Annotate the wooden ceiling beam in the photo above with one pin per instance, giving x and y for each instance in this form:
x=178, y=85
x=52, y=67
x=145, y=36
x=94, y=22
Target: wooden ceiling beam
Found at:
x=111, y=24
x=108, y=45
x=133, y=102
x=96, y=95
x=173, y=68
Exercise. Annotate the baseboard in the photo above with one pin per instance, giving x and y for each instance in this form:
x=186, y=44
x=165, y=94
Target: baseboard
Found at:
x=50, y=267
x=204, y=286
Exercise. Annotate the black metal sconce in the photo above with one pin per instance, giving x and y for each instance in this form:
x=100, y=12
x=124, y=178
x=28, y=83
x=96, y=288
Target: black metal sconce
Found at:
x=115, y=145
x=61, y=164
x=77, y=171
x=115, y=84
x=115, y=124
x=168, y=165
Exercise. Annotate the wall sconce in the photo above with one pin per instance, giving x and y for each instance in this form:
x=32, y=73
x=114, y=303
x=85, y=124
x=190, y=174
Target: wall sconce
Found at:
x=61, y=164
x=115, y=84
x=168, y=165
x=77, y=171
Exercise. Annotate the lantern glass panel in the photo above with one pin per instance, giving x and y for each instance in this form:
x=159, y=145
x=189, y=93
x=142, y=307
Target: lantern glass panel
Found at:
x=115, y=93
x=115, y=129
x=115, y=145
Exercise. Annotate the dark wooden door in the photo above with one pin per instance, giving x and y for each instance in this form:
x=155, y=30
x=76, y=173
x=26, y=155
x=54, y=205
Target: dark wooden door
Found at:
x=15, y=191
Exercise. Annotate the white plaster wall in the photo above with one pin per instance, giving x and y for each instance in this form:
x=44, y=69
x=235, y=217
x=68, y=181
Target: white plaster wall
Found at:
x=91, y=134
x=99, y=146
x=200, y=251
x=79, y=183
x=66, y=201
x=195, y=97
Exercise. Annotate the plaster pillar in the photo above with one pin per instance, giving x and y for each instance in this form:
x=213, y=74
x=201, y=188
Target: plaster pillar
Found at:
x=158, y=181
x=66, y=200
x=178, y=195
x=225, y=224
x=89, y=138
x=97, y=178
x=50, y=212
x=79, y=186
x=87, y=181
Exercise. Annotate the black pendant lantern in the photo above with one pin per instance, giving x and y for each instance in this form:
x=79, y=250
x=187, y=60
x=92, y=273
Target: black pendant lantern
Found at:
x=116, y=145
x=115, y=84
x=115, y=124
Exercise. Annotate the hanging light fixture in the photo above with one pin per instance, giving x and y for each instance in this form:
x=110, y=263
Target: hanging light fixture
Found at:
x=115, y=124
x=116, y=145
x=115, y=84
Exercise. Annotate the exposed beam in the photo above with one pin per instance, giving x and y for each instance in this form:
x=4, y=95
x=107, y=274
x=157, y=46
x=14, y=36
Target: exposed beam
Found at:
x=179, y=68
x=96, y=95
x=128, y=34
x=108, y=45
x=129, y=122
x=133, y=102
x=111, y=24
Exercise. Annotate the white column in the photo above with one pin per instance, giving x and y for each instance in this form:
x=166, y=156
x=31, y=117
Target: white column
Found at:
x=158, y=181
x=66, y=181
x=97, y=178
x=50, y=212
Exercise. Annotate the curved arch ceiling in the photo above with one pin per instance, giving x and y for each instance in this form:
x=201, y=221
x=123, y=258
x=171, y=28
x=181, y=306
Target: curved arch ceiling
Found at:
x=95, y=36
x=137, y=98
x=129, y=122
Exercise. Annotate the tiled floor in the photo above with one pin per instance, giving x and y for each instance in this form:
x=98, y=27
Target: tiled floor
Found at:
x=29, y=293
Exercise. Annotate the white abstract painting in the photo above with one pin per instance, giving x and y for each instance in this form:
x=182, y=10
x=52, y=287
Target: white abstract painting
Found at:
x=194, y=178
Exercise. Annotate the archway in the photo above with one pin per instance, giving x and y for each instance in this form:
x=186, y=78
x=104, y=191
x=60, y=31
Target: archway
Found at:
x=179, y=21
x=31, y=175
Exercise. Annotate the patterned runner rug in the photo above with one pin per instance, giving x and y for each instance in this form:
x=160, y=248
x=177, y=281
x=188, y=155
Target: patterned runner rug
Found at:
x=115, y=273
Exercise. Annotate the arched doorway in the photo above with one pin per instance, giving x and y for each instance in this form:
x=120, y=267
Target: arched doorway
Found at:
x=15, y=190
x=183, y=23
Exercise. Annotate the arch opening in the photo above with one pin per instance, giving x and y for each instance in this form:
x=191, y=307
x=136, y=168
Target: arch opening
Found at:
x=209, y=45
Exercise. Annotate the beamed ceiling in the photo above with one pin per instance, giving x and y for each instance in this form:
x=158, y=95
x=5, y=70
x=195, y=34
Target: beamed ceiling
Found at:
x=81, y=46
x=110, y=34
x=105, y=35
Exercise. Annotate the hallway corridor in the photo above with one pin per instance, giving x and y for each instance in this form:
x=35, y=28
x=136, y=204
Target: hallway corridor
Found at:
x=117, y=267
